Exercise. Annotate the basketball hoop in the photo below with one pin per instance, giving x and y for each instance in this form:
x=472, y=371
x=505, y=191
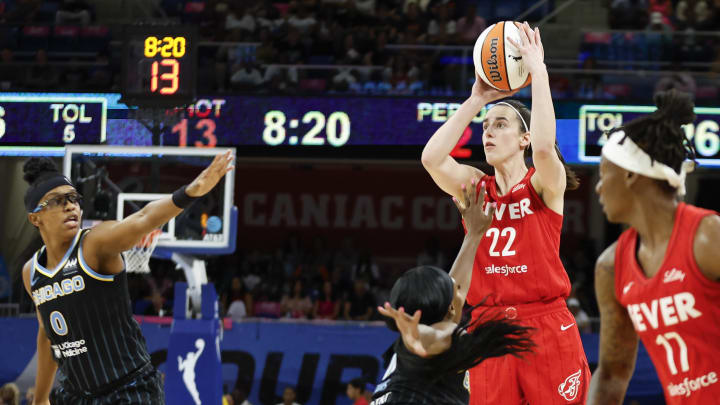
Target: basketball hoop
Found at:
x=138, y=257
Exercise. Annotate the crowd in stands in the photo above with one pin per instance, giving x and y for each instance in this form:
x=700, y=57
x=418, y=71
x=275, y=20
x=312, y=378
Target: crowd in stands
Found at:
x=346, y=46
x=316, y=282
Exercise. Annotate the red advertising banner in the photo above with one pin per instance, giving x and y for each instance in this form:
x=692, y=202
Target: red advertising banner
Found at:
x=391, y=209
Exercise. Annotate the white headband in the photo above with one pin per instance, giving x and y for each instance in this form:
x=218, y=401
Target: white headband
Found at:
x=622, y=151
x=516, y=112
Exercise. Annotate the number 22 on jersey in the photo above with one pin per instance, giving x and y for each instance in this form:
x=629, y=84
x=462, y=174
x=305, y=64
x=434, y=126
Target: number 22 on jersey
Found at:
x=507, y=234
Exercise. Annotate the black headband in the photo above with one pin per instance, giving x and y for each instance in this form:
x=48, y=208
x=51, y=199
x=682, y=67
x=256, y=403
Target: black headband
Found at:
x=44, y=184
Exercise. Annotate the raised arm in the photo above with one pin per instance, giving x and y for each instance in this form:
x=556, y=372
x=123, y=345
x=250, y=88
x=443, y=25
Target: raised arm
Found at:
x=108, y=239
x=549, y=170
x=477, y=221
x=618, y=340
x=46, y=365
x=447, y=173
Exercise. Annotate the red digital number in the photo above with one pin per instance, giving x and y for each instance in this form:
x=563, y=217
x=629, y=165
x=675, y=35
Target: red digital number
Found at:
x=459, y=151
x=181, y=128
x=173, y=76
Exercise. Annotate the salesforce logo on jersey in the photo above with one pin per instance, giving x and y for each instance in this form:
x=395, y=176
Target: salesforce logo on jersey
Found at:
x=506, y=270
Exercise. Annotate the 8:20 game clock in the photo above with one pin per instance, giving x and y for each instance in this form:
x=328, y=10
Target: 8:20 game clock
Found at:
x=159, y=65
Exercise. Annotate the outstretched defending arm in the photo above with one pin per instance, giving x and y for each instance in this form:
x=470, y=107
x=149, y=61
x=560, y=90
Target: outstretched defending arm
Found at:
x=477, y=221
x=107, y=240
x=618, y=340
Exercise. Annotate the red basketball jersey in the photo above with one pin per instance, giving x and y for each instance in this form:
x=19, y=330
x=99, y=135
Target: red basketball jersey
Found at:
x=676, y=313
x=518, y=259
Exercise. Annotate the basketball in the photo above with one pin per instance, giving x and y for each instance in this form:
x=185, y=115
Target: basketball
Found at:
x=497, y=62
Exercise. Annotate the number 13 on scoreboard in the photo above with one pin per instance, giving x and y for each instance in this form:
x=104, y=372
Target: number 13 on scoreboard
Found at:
x=172, y=76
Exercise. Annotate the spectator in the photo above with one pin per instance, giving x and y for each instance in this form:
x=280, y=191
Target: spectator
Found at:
x=415, y=25
x=664, y=7
x=441, y=29
x=366, y=268
x=327, y=306
x=470, y=26
x=9, y=74
x=30, y=396
x=157, y=308
x=265, y=52
x=288, y=397
x=74, y=12
x=680, y=80
x=239, y=20
x=628, y=14
x=239, y=397
x=302, y=20
x=581, y=317
x=267, y=304
x=10, y=394
x=240, y=305
x=356, y=391
x=292, y=51
x=432, y=255
x=694, y=14
x=100, y=75
x=41, y=76
x=361, y=303
x=297, y=304
x=246, y=76
x=24, y=11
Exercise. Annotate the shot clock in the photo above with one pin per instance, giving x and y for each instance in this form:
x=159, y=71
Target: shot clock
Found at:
x=159, y=65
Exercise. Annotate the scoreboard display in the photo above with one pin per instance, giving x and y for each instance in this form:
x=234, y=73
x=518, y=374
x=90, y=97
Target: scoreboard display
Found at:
x=595, y=120
x=159, y=65
x=333, y=126
x=46, y=119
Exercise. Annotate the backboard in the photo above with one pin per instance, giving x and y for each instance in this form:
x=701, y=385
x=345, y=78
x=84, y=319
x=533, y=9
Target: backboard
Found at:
x=117, y=181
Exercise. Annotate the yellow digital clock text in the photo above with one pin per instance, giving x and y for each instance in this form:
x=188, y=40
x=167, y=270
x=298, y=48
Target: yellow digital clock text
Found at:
x=168, y=47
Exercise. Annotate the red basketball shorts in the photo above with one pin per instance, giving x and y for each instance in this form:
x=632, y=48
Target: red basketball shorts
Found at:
x=556, y=372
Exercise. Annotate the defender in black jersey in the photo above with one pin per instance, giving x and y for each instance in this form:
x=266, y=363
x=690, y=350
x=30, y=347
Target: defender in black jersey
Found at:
x=79, y=286
x=429, y=363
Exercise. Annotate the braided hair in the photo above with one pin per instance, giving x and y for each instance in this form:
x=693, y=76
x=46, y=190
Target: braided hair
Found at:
x=661, y=135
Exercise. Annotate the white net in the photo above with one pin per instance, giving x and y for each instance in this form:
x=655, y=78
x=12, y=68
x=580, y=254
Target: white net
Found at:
x=138, y=258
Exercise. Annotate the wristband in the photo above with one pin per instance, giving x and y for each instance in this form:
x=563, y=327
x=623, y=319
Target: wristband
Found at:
x=181, y=199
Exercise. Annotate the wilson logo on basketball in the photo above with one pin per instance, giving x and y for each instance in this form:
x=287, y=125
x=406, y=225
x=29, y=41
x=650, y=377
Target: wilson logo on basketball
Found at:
x=492, y=62
x=570, y=387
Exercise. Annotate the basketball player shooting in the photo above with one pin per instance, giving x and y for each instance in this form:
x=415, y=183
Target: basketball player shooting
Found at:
x=517, y=269
x=660, y=281
x=78, y=283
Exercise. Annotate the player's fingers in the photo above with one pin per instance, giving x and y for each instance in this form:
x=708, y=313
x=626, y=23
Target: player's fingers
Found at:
x=483, y=191
x=529, y=33
x=465, y=197
x=416, y=316
x=513, y=43
x=457, y=204
x=491, y=210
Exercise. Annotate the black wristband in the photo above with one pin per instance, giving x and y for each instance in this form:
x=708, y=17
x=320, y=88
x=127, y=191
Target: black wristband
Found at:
x=181, y=199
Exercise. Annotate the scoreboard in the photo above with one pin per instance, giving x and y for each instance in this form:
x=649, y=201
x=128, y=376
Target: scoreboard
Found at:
x=594, y=120
x=332, y=126
x=46, y=120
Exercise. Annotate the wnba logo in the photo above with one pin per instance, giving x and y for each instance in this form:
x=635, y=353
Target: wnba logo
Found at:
x=569, y=388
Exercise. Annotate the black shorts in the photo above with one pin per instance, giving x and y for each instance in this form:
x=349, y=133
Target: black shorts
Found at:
x=146, y=388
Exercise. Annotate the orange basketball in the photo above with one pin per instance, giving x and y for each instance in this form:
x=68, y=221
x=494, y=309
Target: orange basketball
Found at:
x=497, y=61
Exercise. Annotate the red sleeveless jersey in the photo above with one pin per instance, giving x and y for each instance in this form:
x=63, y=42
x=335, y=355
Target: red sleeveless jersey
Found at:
x=676, y=313
x=518, y=260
